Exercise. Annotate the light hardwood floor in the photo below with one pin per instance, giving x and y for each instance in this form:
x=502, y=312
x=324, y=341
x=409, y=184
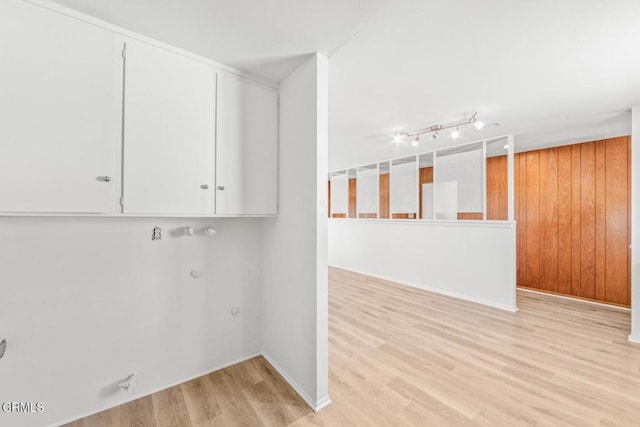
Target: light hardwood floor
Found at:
x=401, y=356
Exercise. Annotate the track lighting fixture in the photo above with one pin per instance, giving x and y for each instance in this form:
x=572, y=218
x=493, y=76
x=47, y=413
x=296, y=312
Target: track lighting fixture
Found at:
x=434, y=129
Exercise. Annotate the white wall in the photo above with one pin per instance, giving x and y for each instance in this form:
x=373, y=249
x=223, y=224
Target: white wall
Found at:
x=635, y=226
x=87, y=301
x=295, y=244
x=470, y=260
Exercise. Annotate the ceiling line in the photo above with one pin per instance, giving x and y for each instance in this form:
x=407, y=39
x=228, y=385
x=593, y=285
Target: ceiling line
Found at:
x=346, y=41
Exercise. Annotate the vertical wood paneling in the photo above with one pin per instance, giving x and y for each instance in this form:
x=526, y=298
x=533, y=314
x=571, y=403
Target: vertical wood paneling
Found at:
x=564, y=220
x=533, y=218
x=353, y=192
x=575, y=220
x=628, y=142
x=616, y=220
x=497, y=188
x=521, y=217
x=426, y=177
x=600, y=225
x=516, y=207
x=587, y=220
x=384, y=195
x=476, y=216
x=549, y=219
x=573, y=213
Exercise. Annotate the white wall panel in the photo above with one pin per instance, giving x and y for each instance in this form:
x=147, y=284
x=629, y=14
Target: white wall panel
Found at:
x=339, y=194
x=88, y=301
x=367, y=191
x=403, y=188
x=466, y=169
x=476, y=262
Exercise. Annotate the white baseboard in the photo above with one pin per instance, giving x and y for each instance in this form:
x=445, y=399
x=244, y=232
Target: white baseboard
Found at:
x=509, y=308
x=322, y=403
x=633, y=339
x=315, y=405
x=138, y=396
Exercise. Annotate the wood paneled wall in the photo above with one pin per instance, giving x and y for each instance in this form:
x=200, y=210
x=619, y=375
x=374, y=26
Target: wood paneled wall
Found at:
x=573, y=211
x=497, y=199
x=426, y=177
x=384, y=195
x=470, y=215
x=353, y=194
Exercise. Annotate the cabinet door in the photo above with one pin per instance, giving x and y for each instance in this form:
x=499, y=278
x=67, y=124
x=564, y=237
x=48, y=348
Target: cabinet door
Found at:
x=58, y=113
x=246, y=147
x=168, y=132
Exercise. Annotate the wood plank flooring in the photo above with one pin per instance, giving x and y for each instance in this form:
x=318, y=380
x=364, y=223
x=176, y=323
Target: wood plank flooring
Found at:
x=400, y=356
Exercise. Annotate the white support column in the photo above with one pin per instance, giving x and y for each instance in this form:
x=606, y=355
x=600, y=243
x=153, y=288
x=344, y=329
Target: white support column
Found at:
x=295, y=283
x=484, y=179
x=635, y=226
x=417, y=187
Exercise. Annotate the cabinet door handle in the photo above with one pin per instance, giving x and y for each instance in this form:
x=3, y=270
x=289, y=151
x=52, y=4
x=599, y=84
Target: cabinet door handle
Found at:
x=204, y=186
x=220, y=187
x=104, y=178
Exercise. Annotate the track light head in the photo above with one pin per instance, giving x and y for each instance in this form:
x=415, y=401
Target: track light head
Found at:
x=397, y=138
x=434, y=136
x=478, y=124
x=455, y=134
x=416, y=141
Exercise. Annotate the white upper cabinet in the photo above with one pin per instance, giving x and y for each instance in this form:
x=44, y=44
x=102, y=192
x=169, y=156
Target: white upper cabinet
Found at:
x=169, y=123
x=59, y=148
x=246, y=147
x=95, y=121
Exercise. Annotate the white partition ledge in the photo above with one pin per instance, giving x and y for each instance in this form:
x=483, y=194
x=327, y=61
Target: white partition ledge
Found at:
x=471, y=260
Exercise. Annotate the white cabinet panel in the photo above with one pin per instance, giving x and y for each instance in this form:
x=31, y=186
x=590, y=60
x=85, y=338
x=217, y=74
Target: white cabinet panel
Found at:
x=168, y=132
x=246, y=147
x=58, y=113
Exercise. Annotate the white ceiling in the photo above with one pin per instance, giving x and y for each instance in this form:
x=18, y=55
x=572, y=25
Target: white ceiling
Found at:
x=551, y=71
x=269, y=38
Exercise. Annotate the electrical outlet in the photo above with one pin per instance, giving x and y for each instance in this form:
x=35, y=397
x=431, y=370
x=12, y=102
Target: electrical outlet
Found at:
x=157, y=233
